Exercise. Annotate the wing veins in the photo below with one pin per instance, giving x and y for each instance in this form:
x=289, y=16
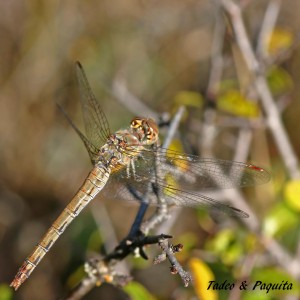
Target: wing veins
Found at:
x=95, y=120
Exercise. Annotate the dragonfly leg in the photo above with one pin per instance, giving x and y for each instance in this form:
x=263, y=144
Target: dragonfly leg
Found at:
x=133, y=168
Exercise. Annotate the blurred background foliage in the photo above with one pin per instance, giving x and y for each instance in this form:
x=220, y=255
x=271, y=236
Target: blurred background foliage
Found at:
x=162, y=51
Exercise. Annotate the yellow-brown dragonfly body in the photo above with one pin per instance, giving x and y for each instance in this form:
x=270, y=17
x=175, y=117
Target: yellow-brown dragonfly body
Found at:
x=118, y=152
x=130, y=154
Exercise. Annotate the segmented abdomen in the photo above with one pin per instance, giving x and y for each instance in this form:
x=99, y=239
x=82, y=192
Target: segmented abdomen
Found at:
x=93, y=184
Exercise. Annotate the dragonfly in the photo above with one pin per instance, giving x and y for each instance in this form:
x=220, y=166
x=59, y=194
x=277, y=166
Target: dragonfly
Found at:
x=132, y=156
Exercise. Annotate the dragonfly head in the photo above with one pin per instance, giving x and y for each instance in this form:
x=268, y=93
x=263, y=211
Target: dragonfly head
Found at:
x=145, y=130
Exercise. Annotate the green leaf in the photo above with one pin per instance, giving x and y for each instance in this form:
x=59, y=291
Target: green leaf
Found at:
x=136, y=291
x=251, y=295
x=228, y=84
x=233, y=102
x=76, y=276
x=95, y=241
x=279, y=80
x=273, y=276
x=227, y=245
x=280, y=220
x=6, y=292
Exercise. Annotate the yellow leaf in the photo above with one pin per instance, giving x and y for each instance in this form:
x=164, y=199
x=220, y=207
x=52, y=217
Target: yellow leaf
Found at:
x=280, y=40
x=292, y=194
x=182, y=164
x=170, y=181
x=189, y=98
x=202, y=275
x=176, y=145
x=232, y=101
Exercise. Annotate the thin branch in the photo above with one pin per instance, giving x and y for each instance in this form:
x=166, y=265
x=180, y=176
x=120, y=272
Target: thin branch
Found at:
x=173, y=127
x=134, y=245
x=85, y=286
x=273, y=117
x=106, y=230
x=130, y=101
x=275, y=124
x=98, y=272
x=208, y=132
x=136, y=239
x=161, y=213
x=290, y=265
x=176, y=268
x=267, y=28
x=216, y=69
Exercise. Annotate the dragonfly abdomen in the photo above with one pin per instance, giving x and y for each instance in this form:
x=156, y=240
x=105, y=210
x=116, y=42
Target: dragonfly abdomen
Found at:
x=93, y=184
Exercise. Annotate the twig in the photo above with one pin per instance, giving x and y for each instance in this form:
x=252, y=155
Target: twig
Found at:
x=173, y=126
x=290, y=265
x=136, y=239
x=106, y=229
x=176, y=268
x=103, y=270
x=267, y=28
x=98, y=272
x=161, y=213
x=216, y=69
x=130, y=101
x=85, y=286
x=274, y=121
x=275, y=125
x=134, y=245
x=208, y=129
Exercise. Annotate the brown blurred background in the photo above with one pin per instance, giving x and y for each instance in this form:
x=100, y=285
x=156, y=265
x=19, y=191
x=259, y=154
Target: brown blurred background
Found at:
x=160, y=48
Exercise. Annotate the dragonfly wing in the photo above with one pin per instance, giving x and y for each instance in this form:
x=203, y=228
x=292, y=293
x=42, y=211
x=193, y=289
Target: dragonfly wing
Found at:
x=96, y=124
x=92, y=150
x=147, y=189
x=193, y=172
x=144, y=182
x=175, y=196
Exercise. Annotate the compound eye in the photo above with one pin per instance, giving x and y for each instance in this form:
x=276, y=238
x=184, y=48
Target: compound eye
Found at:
x=136, y=123
x=133, y=123
x=150, y=134
x=154, y=136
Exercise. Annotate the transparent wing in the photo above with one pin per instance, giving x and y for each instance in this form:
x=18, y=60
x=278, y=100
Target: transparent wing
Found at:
x=180, y=178
x=198, y=173
x=208, y=172
x=96, y=124
x=144, y=191
x=92, y=150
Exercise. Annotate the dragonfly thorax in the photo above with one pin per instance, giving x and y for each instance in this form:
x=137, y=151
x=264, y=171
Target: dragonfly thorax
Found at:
x=145, y=130
x=120, y=148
